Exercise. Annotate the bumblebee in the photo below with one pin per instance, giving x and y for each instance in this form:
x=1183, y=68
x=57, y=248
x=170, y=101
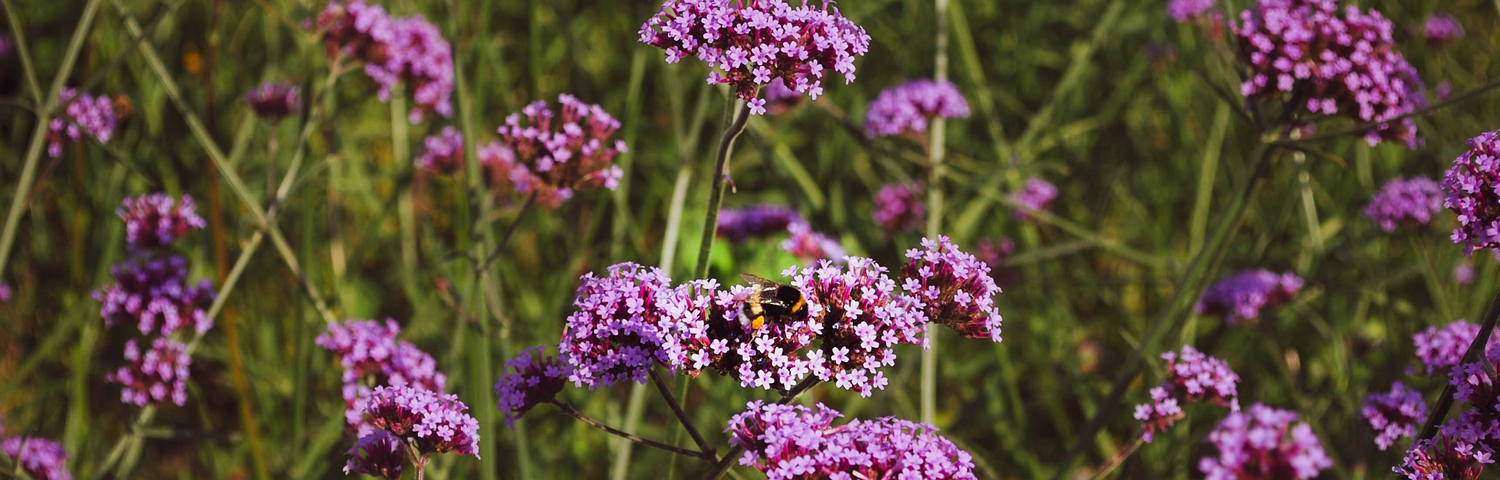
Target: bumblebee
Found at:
x=771, y=302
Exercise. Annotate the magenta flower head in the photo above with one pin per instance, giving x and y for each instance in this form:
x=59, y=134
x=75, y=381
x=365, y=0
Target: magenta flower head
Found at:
x=620, y=328
x=371, y=356
x=1240, y=297
x=40, y=458
x=907, y=109
x=529, y=379
x=155, y=220
x=952, y=288
x=1471, y=193
x=154, y=294
x=1194, y=377
x=1443, y=458
x=394, y=50
x=1394, y=414
x=740, y=224
x=556, y=155
x=797, y=442
x=1329, y=62
x=273, y=101
x=155, y=375
x=1187, y=10
x=860, y=318
x=756, y=41
x=1441, y=30
x=81, y=113
x=1036, y=196
x=443, y=153
x=378, y=454
x=811, y=246
x=5, y=292
x=1440, y=348
x=433, y=422
x=898, y=208
x=1405, y=202
x=1262, y=444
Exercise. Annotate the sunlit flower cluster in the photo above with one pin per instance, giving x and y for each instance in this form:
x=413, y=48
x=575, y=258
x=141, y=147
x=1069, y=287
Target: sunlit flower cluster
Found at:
x=1193, y=377
x=953, y=288
x=558, y=154
x=797, y=442
x=371, y=357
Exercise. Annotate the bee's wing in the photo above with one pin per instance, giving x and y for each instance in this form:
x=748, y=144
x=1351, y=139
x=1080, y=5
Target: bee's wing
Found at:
x=758, y=281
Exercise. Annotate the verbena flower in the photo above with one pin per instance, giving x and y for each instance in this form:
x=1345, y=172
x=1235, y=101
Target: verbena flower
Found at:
x=1192, y=377
x=1463, y=273
x=1035, y=196
x=1262, y=444
x=40, y=458
x=710, y=335
x=1441, y=30
x=4, y=292
x=155, y=375
x=1472, y=194
x=898, y=208
x=394, y=50
x=442, y=153
x=756, y=41
x=861, y=318
x=371, y=357
x=1242, y=296
x=556, y=155
x=1329, y=62
x=529, y=379
x=619, y=328
x=953, y=288
x=1442, y=459
x=809, y=245
x=994, y=252
x=1394, y=414
x=1405, y=202
x=1187, y=10
x=155, y=220
x=740, y=224
x=797, y=442
x=80, y=114
x=273, y=101
x=379, y=454
x=154, y=294
x=1440, y=348
x=433, y=422
x=909, y=108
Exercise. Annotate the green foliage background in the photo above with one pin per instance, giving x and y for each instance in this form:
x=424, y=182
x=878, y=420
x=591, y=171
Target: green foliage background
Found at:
x=1108, y=99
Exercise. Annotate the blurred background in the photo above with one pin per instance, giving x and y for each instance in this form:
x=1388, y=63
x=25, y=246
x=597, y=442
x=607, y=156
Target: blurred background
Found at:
x=1109, y=100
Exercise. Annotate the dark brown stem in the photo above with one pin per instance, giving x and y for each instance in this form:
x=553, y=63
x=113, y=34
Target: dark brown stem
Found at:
x=666, y=393
x=509, y=232
x=735, y=451
x=1476, y=349
x=1104, y=470
x=568, y=409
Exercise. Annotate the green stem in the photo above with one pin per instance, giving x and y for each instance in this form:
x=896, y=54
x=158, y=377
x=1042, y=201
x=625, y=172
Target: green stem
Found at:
x=682, y=417
x=18, y=35
x=509, y=232
x=1104, y=470
x=716, y=191
x=1475, y=352
x=936, y=153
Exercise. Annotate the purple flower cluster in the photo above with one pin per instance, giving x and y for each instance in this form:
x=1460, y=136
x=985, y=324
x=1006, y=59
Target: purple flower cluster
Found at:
x=433, y=422
x=4, y=292
x=1195, y=377
x=796, y=442
x=1441, y=30
x=621, y=327
x=1240, y=297
x=1331, y=63
x=952, y=288
x=273, y=101
x=1035, y=196
x=899, y=208
x=1440, y=348
x=1472, y=188
x=1466, y=443
x=443, y=153
x=81, y=113
x=378, y=454
x=40, y=458
x=908, y=109
x=1394, y=414
x=1262, y=444
x=556, y=155
x=155, y=220
x=1405, y=202
x=371, y=356
x=394, y=50
x=154, y=294
x=809, y=245
x=1187, y=10
x=756, y=41
x=1443, y=459
x=530, y=379
x=862, y=318
x=740, y=224
x=154, y=376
